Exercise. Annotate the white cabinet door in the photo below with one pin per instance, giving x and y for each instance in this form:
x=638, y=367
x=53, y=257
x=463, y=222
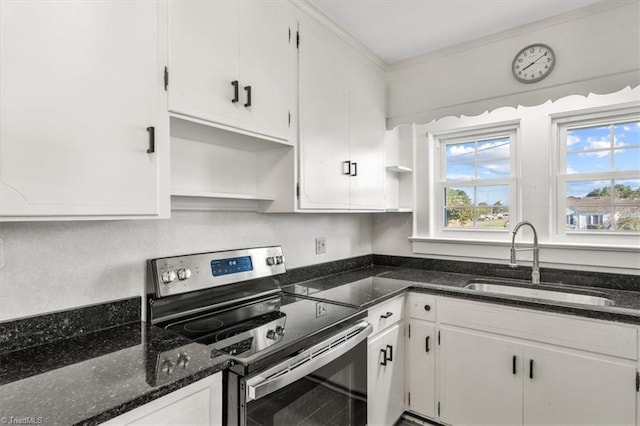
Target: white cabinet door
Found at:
x=323, y=118
x=204, y=59
x=569, y=389
x=266, y=46
x=229, y=63
x=366, y=135
x=197, y=404
x=477, y=379
x=385, y=377
x=421, y=368
x=80, y=84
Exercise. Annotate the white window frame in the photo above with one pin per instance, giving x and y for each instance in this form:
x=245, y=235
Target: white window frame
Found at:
x=560, y=124
x=494, y=131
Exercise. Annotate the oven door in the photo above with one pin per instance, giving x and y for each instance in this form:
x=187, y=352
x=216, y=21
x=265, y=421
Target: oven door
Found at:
x=323, y=385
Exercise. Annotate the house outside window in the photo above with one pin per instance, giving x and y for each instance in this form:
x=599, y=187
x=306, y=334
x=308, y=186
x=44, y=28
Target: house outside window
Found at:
x=599, y=174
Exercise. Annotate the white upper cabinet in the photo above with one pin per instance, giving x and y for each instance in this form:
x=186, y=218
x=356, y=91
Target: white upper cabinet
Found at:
x=366, y=135
x=341, y=123
x=230, y=64
x=80, y=85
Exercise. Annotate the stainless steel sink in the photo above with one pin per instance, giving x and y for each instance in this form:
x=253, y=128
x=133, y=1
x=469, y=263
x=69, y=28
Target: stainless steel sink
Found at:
x=544, y=292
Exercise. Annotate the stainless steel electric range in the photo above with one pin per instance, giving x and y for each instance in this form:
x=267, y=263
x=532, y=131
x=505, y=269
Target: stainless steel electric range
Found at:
x=295, y=359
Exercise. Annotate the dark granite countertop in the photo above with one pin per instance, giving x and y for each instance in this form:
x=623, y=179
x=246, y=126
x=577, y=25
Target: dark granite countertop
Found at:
x=58, y=369
x=368, y=286
x=93, y=377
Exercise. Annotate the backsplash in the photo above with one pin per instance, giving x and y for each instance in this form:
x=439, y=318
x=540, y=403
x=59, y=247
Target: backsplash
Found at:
x=51, y=266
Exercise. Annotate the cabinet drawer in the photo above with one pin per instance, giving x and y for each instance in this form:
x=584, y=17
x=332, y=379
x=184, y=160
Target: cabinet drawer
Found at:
x=421, y=306
x=386, y=314
x=601, y=337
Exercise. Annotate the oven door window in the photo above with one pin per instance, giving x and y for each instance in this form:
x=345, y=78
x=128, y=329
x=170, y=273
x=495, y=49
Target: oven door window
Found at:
x=333, y=394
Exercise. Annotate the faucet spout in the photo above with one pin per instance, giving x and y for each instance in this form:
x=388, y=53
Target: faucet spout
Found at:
x=535, y=274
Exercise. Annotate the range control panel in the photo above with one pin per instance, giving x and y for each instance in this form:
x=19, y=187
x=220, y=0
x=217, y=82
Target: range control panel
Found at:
x=182, y=274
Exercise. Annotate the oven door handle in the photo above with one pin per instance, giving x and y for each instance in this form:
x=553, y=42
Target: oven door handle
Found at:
x=307, y=362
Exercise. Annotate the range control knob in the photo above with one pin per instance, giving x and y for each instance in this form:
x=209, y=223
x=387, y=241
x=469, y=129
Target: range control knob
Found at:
x=183, y=360
x=168, y=276
x=167, y=367
x=270, y=261
x=279, y=260
x=280, y=331
x=184, y=274
x=271, y=334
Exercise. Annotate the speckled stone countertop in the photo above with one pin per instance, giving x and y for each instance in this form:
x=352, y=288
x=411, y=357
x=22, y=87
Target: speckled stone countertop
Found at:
x=88, y=379
x=368, y=286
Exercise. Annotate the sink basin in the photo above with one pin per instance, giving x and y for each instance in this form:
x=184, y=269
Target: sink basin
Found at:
x=544, y=292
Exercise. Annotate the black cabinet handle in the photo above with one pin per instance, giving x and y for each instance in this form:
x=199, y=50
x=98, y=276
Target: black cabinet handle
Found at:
x=387, y=315
x=531, y=369
x=236, y=92
x=426, y=344
x=347, y=170
x=390, y=353
x=427, y=308
x=355, y=169
x=152, y=140
x=384, y=357
x=514, y=364
x=248, y=90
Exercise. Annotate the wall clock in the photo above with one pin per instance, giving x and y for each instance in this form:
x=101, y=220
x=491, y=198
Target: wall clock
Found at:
x=533, y=63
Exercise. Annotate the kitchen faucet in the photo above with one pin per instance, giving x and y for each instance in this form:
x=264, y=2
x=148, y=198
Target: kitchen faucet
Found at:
x=535, y=274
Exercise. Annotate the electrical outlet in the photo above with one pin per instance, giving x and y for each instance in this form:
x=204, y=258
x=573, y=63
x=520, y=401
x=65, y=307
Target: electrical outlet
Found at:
x=321, y=309
x=321, y=245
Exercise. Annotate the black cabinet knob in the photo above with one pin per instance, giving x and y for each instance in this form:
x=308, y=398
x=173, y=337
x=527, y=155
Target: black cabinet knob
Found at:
x=427, y=307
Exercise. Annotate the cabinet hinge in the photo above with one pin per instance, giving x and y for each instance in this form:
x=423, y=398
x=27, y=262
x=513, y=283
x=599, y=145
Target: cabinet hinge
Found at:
x=298, y=190
x=166, y=78
x=637, y=382
x=409, y=398
x=298, y=39
x=438, y=408
x=438, y=337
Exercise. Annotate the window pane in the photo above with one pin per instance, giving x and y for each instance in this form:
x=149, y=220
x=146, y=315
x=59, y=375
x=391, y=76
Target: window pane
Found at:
x=459, y=217
x=627, y=205
x=626, y=159
x=493, y=169
x=495, y=196
x=587, y=162
x=579, y=190
x=462, y=171
x=588, y=138
x=457, y=152
x=492, y=217
x=493, y=149
x=460, y=196
x=627, y=134
x=604, y=205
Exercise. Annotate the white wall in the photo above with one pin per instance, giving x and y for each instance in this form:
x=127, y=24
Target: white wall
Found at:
x=51, y=266
x=597, y=49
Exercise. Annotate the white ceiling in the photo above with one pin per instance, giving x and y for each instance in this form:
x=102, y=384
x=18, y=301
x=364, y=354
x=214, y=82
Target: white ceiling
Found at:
x=401, y=29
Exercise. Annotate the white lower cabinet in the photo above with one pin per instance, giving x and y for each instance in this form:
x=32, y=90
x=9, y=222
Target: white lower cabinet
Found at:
x=566, y=388
x=477, y=383
x=507, y=366
x=421, y=367
x=385, y=376
x=197, y=404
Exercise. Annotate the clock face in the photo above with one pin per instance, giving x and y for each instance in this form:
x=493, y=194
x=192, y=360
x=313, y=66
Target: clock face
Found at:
x=533, y=63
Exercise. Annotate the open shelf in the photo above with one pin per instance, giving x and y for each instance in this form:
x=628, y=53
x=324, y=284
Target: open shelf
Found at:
x=400, y=210
x=399, y=169
x=226, y=195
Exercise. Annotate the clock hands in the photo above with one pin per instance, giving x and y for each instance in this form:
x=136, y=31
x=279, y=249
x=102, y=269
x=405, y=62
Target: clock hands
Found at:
x=541, y=56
